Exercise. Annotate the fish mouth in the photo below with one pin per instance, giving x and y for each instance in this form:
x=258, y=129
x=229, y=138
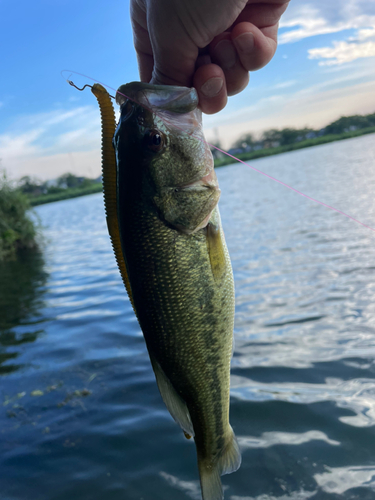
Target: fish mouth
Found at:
x=208, y=181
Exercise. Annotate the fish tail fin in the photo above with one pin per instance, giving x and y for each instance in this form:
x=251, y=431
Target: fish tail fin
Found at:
x=210, y=481
x=228, y=461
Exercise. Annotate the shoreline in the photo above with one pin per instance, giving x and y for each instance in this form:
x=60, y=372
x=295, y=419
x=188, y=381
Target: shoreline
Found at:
x=221, y=162
x=65, y=195
x=308, y=143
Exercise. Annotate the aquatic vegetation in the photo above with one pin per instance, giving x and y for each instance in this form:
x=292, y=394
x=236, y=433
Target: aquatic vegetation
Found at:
x=17, y=229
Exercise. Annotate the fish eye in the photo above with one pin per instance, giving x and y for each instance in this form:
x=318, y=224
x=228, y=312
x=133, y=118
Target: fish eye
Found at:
x=154, y=140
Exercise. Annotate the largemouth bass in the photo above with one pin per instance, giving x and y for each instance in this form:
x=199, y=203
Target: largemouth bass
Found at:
x=161, y=200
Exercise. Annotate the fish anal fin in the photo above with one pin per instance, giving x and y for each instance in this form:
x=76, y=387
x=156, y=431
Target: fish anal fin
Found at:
x=230, y=457
x=172, y=400
x=216, y=251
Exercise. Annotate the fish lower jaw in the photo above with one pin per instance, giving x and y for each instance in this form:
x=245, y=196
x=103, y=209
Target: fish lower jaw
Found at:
x=209, y=181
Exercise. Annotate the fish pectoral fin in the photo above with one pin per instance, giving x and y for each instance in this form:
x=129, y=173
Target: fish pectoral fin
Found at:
x=172, y=400
x=216, y=251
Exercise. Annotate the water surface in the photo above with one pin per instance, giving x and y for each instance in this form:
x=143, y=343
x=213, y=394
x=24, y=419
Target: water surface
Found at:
x=80, y=413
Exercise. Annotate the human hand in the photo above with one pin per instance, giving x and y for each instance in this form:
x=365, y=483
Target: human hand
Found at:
x=209, y=44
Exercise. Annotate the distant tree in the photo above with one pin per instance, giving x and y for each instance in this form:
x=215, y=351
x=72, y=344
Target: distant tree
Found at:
x=271, y=138
x=67, y=181
x=86, y=182
x=289, y=136
x=72, y=181
x=292, y=135
x=271, y=135
x=349, y=123
x=30, y=185
x=244, y=141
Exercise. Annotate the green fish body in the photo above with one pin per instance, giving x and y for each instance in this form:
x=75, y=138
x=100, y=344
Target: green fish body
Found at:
x=178, y=268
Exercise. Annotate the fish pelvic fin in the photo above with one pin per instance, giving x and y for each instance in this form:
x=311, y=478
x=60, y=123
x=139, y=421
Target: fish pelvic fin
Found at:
x=216, y=251
x=172, y=400
x=228, y=461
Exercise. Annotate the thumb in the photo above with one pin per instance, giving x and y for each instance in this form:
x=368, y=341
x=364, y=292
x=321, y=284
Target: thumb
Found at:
x=174, y=53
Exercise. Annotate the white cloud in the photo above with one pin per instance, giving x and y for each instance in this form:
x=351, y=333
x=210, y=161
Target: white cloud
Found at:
x=356, y=47
x=308, y=23
x=286, y=84
x=303, y=20
x=343, y=52
x=364, y=34
x=19, y=146
x=49, y=144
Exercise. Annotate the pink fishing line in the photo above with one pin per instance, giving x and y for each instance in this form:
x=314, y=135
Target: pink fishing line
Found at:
x=237, y=159
x=293, y=189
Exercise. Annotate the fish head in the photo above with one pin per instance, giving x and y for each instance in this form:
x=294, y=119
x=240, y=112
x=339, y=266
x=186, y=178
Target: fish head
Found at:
x=162, y=154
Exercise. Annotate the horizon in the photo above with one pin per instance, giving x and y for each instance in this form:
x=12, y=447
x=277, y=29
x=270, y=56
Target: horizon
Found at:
x=323, y=69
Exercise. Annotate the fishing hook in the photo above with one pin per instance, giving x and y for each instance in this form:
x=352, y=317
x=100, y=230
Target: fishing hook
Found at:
x=83, y=88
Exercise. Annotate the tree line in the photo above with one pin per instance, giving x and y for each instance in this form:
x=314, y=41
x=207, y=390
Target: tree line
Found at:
x=274, y=138
x=33, y=187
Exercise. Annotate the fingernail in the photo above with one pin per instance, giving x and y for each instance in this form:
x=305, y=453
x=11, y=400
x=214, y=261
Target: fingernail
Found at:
x=245, y=42
x=225, y=54
x=212, y=87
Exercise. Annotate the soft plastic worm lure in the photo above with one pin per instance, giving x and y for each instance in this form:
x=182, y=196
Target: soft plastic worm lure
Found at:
x=109, y=173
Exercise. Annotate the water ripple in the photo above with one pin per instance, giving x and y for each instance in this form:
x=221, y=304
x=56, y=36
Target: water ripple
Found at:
x=81, y=416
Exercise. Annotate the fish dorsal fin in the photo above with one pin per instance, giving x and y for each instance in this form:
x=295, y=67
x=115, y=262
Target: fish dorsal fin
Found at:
x=216, y=250
x=173, y=401
x=109, y=173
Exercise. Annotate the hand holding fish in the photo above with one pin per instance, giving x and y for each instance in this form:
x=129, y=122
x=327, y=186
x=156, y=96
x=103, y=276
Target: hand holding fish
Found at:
x=209, y=44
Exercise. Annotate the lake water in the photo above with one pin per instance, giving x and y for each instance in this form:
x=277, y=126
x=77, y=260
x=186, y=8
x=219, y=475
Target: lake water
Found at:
x=81, y=417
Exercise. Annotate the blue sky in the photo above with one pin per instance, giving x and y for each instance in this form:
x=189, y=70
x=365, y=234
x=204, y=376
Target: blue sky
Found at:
x=324, y=68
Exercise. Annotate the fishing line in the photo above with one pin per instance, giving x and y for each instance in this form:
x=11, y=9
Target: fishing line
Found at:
x=222, y=151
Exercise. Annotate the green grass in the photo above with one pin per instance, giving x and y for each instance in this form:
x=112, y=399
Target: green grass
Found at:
x=297, y=145
x=66, y=194
x=17, y=230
